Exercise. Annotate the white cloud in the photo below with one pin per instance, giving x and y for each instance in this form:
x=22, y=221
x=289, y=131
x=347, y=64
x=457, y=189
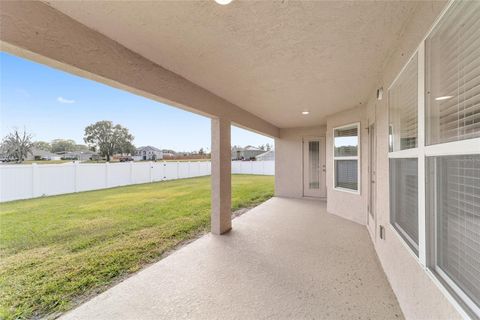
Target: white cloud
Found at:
x=63, y=100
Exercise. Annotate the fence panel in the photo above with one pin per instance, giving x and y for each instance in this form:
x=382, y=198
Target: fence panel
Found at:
x=91, y=176
x=54, y=179
x=30, y=181
x=16, y=182
x=170, y=170
x=119, y=174
x=141, y=172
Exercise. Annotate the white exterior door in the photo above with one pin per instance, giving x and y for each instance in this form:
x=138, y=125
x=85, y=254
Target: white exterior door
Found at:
x=314, y=167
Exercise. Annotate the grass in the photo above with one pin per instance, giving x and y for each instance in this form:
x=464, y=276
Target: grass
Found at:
x=54, y=251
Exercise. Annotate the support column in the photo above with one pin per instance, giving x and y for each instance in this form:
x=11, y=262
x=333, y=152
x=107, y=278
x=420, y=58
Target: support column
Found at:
x=221, y=216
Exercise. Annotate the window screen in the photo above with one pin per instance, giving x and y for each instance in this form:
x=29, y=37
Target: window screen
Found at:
x=453, y=75
x=403, y=108
x=404, y=199
x=454, y=189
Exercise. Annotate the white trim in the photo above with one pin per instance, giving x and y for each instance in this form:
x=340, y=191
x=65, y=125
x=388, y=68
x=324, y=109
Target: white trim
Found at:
x=357, y=158
x=448, y=295
x=466, y=299
x=403, y=69
x=347, y=158
x=406, y=237
x=346, y=190
x=407, y=153
x=470, y=146
x=422, y=248
x=404, y=243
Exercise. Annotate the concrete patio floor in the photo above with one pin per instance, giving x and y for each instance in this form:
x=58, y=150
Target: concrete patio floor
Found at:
x=285, y=259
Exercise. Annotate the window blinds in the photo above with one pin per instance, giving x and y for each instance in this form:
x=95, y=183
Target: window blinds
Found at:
x=453, y=75
x=458, y=220
x=404, y=199
x=403, y=107
x=346, y=173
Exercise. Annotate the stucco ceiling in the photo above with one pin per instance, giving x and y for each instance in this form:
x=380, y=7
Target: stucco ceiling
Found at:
x=274, y=59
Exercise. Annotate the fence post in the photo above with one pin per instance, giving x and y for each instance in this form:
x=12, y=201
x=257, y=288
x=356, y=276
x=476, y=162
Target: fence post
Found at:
x=75, y=176
x=106, y=174
x=131, y=172
x=150, y=165
x=34, y=180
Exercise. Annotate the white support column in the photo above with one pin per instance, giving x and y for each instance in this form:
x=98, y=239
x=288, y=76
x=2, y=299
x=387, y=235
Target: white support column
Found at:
x=221, y=217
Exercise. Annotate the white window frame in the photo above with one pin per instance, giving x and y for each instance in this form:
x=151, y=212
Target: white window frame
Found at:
x=462, y=147
x=357, y=157
x=414, y=153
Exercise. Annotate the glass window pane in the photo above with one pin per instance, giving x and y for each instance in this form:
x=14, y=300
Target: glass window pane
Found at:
x=314, y=162
x=404, y=199
x=403, y=109
x=453, y=75
x=346, y=142
x=346, y=174
x=454, y=183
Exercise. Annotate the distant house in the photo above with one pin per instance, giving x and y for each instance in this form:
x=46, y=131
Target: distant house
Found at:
x=149, y=153
x=266, y=156
x=247, y=153
x=39, y=154
x=77, y=155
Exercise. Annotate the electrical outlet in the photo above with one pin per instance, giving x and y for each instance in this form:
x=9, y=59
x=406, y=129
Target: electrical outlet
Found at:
x=382, y=232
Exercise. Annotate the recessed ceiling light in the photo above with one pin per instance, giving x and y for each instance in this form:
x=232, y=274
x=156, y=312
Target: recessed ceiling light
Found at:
x=305, y=112
x=223, y=2
x=443, y=98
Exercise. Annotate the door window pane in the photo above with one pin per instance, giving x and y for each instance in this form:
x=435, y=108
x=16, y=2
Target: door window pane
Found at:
x=403, y=109
x=453, y=75
x=404, y=199
x=314, y=164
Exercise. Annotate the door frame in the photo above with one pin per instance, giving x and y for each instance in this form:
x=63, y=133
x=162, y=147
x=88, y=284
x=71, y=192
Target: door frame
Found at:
x=372, y=183
x=322, y=193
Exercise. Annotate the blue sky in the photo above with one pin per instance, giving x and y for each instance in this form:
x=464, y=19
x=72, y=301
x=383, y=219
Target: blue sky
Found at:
x=53, y=104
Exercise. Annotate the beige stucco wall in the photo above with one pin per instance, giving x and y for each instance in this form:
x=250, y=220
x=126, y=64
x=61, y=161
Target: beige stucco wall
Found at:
x=289, y=160
x=418, y=295
x=345, y=204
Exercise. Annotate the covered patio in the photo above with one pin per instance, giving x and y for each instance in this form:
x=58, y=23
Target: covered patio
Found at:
x=375, y=111
x=287, y=258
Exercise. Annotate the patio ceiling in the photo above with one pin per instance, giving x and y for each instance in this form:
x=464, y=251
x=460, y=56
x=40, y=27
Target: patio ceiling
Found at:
x=273, y=59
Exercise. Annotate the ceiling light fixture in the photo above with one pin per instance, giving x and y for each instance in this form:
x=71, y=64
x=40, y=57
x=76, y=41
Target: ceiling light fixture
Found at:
x=305, y=112
x=223, y=2
x=443, y=98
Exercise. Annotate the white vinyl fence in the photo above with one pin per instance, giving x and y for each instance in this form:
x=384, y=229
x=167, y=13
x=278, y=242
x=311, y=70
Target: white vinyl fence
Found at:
x=31, y=181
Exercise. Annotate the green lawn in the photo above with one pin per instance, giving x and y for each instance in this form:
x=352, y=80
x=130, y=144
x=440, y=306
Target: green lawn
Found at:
x=56, y=250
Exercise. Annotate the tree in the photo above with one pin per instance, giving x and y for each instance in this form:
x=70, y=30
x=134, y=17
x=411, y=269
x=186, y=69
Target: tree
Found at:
x=109, y=139
x=42, y=145
x=62, y=145
x=81, y=147
x=262, y=147
x=268, y=147
x=201, y=152
x=17, y=145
